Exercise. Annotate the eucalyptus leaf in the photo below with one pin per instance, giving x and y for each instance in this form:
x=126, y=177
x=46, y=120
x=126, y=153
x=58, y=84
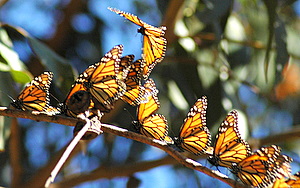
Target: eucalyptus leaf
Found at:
x=63, y=71
x=4, y=131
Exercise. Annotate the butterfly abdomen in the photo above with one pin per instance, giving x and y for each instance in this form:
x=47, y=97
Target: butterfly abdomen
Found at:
x=79, y=102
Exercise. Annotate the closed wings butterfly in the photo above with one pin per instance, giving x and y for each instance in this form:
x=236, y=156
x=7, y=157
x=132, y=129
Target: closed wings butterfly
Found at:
x=35, y=95
x=229, y=146
x=150, y=124
x=154, y=43
x=99, y=82
x=194, y=136
x=125, y=66
x=254, y=170
x=282, y=166
x=134, y=90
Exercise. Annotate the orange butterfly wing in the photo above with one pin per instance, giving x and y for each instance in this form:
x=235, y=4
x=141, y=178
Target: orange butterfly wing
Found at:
x=194, y=136
x=134, y=90
x=99, y=82
x=35, y=96
x=294, y=181
x=104, y=85
x=125, y=66
x=254, y=170
x=154, y=126
x=229, y=146
x=154, y=46
x=151, y=103
x=150, y=124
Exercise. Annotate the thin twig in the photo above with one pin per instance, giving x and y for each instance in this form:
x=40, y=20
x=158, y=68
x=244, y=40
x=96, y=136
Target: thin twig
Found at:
x=67, y=152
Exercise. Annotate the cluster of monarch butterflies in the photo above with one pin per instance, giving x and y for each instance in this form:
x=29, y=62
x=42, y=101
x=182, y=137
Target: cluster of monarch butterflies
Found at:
x=261, y=168
x=115, y=77
x=102, y=83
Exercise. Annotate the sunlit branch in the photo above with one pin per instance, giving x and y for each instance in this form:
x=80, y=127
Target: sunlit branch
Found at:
x=127, y=134
x=4, y=111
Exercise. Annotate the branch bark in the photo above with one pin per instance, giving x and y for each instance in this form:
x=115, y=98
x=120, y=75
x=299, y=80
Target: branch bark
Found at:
x=285, y=137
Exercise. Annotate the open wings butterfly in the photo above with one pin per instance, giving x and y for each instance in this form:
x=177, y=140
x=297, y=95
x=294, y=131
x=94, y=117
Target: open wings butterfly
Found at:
x=35, y=95
x=154, y=43
x=229, y=146
x=194, y=136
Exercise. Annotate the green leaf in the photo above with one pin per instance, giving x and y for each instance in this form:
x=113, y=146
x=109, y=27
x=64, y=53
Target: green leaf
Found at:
x=4, y=131
x=63, y=71
x=10, y=61
x=12, y=58
x=4, y=38
x=20, y=76
x=4, y=67
x=271, y=8
x=6, y=88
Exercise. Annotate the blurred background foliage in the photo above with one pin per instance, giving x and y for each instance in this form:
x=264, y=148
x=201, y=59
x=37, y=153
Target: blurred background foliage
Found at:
x=241, y=54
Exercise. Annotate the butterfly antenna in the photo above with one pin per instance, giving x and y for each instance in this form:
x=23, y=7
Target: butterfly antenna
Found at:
x=132, y=118
x=11, y=98
x=54, y=97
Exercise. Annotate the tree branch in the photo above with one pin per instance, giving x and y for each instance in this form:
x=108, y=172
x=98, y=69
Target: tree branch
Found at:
x=287, y=136
x=131, y=135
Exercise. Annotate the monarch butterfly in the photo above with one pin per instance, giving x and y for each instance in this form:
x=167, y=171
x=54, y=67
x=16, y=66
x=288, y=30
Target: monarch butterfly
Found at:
x=229, y=146
x=254, y=170
x=194, y=136
x=125, y=65
x=150, y=124
x=99, y=82
x=154, y=44
x=134, y=90
x=35, y=96
x=282, y=167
